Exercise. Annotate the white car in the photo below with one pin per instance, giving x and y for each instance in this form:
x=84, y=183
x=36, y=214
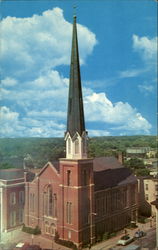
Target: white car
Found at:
x=126, y=239
x=20, y=244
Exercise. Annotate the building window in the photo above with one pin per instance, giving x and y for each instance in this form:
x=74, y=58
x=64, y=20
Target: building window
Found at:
x=21, y=215
x=13, y=218
x=13, y=198
x=54, y=212
x=124, y=198
x=68, y=177
x=133, y=195
x=52, y=229
x=32, y=202
x=47, y=228
x=147, y=197
x=21, y=197
x=84, y=177
x=50, y=203
x=84, y=145
x=146, y=186
x=69, y=212
x=76, y=146
x=156, y=187
x=69, y=234
x=69, y=146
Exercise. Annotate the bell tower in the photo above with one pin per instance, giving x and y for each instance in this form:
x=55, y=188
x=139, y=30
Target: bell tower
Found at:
x=76, y=170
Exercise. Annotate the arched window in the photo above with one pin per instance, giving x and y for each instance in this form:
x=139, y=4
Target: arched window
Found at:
x=76, y=146
x=69, y=212
x=47, y=228
x=49, y=202
x=85, y=177
x=68, y=177
x=52, y=229
x=84, y=145
x=69, y=146
x=54, y=211
x=32, y=202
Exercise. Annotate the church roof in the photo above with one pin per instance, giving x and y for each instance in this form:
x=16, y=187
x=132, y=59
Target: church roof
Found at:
x=10, y=174
x=75, y=115
x=113, y=177
x=103, y=163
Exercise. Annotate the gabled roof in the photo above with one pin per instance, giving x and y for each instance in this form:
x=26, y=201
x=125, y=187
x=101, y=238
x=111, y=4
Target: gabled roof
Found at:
x=53, y=165
x=11, y=174
x=113, y=177
x=75, y=115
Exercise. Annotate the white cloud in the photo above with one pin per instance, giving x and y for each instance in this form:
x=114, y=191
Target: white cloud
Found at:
x=47, y=92
x=39, y=43
x=131, y=73
x=31, y=49
x=8, y=82
x=12, y=125
x=98, y=132
x=9, y=122
x=6, y=115
x=146, y=46
x=99, y=108
x=146, y=88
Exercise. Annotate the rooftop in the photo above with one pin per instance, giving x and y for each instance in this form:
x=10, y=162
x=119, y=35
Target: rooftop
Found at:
x=104, y=163
x=113, y=177
x=11, y=174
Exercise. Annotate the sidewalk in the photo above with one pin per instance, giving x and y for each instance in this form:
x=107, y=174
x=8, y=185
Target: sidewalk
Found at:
x=14, y=237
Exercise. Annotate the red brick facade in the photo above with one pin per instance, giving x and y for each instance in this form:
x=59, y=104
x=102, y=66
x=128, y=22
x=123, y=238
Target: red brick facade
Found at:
x=63, y=198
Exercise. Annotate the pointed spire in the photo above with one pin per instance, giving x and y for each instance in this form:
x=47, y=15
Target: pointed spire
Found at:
x=75, y=116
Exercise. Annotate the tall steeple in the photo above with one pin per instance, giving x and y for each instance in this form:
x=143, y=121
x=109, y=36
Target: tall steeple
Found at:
x=76, y=136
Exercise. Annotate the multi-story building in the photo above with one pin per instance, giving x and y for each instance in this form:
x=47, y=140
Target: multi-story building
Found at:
x=140, y=152
x=12, y=197
x=147, y=193
x=79, y=197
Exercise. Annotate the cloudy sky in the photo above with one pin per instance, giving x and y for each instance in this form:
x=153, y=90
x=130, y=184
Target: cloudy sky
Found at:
x=117, y=45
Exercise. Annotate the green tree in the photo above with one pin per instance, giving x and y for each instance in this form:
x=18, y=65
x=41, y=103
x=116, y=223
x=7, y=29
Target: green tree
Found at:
x=134, y=163
x=142, y=172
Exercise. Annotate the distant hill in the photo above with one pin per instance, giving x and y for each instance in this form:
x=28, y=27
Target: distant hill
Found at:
x=37, y=151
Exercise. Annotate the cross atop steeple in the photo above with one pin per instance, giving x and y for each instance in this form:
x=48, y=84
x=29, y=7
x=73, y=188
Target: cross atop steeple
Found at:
x=75, y=116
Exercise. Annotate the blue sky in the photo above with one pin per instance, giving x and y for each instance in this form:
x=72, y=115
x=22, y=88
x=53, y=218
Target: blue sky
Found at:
x=117, y=44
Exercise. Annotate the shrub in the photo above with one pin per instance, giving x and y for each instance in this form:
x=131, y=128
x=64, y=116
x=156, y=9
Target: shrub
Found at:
x=132, y=225
x=37, y=230
x=106, y=236
x=112, y=234
x=66, y=243
x=142, y=219
x=31, y=230
x=99, y=238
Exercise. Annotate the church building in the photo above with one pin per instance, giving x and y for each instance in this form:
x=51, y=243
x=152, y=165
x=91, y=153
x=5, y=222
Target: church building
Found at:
x=79, y=197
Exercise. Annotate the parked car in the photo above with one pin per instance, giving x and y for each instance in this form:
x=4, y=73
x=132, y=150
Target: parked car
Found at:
x=125, y=239
x=139, y=234
x=27, y=246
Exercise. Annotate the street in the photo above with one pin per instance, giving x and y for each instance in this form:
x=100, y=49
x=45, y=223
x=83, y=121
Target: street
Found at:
x=147, y=242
